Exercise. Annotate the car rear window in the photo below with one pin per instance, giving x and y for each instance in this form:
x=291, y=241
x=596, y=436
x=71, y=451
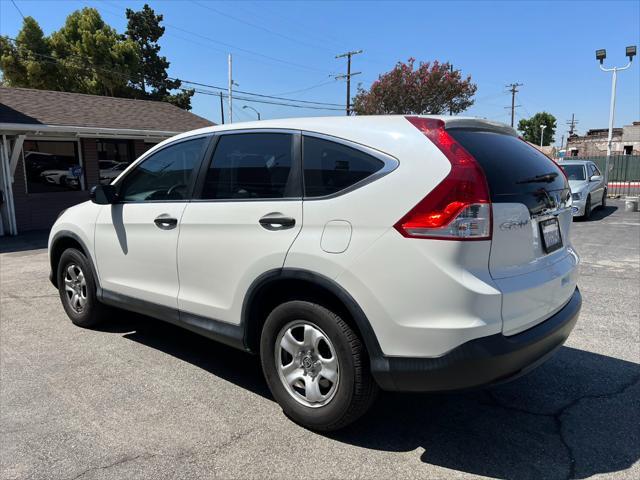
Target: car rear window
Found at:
x=511, y=165
x=330, y=167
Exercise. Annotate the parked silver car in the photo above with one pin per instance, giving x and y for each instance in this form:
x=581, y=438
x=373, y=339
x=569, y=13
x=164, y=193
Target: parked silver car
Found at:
x=588, y=188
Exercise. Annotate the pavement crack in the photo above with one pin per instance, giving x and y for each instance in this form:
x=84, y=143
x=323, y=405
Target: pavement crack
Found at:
x=110, y=465
x=557, y=416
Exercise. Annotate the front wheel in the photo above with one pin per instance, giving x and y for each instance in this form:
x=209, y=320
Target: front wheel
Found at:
x=604, y=199
x=316, y=366
x=587, y=208
x=77, y=288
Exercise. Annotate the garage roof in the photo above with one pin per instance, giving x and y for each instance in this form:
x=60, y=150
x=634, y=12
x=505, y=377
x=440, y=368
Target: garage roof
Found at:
x=45, y=107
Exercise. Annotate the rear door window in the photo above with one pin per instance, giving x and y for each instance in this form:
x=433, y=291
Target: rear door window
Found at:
x=251, y=166
x=330, y=167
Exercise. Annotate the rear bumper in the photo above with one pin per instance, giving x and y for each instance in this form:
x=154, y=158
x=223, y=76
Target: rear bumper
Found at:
x=481, y=361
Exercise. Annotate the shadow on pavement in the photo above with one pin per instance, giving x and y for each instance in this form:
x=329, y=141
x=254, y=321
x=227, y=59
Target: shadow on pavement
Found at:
x=25, y=241
x=600, y=213
x=575, y=416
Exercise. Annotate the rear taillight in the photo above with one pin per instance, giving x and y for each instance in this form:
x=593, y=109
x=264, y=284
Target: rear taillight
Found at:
x=458, y=208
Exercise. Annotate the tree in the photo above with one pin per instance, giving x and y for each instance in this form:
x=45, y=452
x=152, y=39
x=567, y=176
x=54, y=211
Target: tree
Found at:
x=531, y=128
x=430, y=88
x=85, y=55
x=88, y=56
x=23, y=63
x=144, y=29
x=94, y=58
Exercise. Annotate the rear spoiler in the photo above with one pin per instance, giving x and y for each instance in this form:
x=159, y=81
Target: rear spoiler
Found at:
x=479, y=123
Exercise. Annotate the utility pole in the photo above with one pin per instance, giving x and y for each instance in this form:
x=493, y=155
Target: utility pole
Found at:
x=514, y=89
x=221, y=109
x=572, y=124
x=348, y=76
x=451, y=103
x=230, y=91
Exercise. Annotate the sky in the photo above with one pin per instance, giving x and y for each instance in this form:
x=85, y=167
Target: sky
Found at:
x=288, y=49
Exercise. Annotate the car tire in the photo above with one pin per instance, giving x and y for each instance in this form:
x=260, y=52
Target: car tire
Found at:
x=320, y=341
x=587, y=208
x=604, y=199
x=77, y=289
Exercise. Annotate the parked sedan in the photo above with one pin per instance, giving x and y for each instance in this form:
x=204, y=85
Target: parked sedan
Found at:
x=588, y=187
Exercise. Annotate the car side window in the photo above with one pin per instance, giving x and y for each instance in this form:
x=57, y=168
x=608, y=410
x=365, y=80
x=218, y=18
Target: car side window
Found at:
x=330, y=167
x=251, y=166
x=596, y=171
x=166, y=174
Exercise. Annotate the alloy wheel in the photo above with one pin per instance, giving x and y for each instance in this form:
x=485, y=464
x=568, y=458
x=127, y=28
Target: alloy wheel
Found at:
x=75, y=287
x=307, y=363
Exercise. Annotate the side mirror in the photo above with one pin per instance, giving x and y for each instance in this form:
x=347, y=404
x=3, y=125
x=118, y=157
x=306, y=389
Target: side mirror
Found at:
x=596, y=178
x=104, y=194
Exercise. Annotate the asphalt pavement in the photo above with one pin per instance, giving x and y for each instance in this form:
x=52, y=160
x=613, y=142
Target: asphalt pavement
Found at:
x=143, y=399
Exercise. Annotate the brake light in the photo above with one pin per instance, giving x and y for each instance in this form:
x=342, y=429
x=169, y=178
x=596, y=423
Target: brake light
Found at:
x=459, y=207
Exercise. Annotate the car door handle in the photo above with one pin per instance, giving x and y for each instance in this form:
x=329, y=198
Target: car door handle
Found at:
x=277, y=221
x=165, y=222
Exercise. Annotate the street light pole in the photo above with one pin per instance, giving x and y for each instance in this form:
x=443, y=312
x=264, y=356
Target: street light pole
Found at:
x=542, y=127
x=251, y=108
x=601, y=55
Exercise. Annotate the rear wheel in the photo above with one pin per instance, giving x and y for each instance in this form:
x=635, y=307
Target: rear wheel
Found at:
x=77, y=289
x=316, y=366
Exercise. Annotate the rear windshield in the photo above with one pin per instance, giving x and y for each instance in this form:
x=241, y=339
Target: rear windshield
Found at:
x=574, y=172
x=511, y=165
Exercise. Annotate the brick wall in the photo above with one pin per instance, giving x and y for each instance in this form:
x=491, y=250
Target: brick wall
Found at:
x=38, y=211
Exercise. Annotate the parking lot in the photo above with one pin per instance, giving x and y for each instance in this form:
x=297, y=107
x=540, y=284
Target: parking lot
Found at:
x=143, y=399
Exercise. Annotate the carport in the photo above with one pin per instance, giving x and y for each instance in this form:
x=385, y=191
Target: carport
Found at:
x=55, y=146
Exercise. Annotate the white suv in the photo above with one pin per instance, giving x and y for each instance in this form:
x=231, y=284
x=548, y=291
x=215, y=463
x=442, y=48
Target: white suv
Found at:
x=403, y=253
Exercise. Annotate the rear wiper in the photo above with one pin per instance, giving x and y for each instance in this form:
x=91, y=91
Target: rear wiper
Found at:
x=544, y=178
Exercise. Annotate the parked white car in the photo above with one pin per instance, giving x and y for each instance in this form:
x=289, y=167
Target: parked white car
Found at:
x=588, y=187
x=107, y=175
x=55, y=176
x=410, y=253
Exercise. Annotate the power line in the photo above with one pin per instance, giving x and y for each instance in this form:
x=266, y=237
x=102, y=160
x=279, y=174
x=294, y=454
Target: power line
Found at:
x=522, y=105
x=233, y=47
x=259, y=27
x=306, y=89
x=268, y=102
x=215, y=87
x=189, y=82
x=17, y=8
x=291, y=24
x=247, y=51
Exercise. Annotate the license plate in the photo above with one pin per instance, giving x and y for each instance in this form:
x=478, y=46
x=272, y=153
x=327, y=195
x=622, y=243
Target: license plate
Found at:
x=551, y=239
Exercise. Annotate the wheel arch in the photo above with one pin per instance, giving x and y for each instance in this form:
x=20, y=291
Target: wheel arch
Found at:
x=61, y=241
x=277, y=286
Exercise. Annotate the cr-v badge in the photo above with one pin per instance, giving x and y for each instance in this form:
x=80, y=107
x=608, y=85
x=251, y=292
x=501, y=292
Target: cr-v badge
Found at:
x=513, y=224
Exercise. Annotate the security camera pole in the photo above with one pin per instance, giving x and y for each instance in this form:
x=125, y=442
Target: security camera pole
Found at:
x=600, y=56
x=542, y=127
